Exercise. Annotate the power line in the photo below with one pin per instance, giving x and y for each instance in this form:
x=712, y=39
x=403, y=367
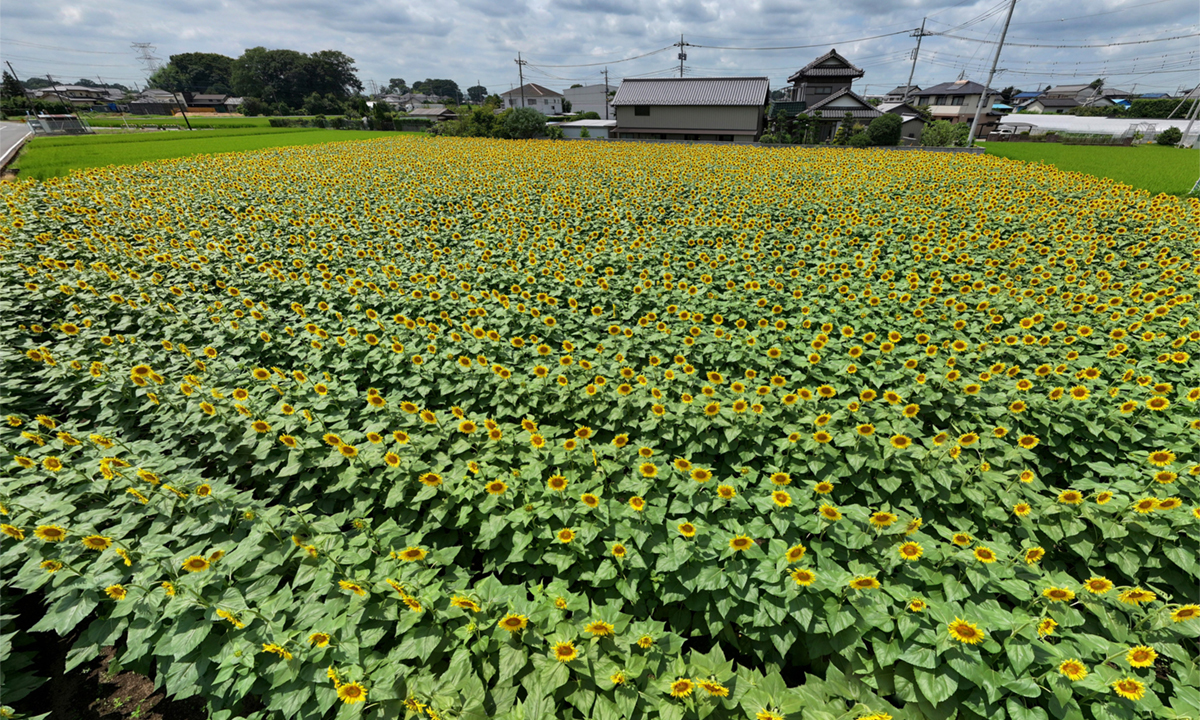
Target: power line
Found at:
x=60, y=62
x=1092, y=15
x=805, y=47
x=60, y=49
x=612, y=62
x=1097, y=45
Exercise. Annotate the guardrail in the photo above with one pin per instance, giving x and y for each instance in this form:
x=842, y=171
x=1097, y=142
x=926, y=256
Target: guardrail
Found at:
x=9, y=155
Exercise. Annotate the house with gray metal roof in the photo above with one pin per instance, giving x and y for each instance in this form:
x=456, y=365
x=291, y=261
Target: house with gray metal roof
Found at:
x=728, y=109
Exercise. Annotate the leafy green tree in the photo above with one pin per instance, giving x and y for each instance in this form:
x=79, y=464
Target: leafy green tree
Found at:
x=288, y=77
x=885, y=130
x=397, y=85
x=439, y=87
x=477, y=93
x=37, y=83
x=195, y=72
x=845, y=130
x=317, y=104
x=520, y=123
x=332, y=72
x=252, y=107
x=860, y=140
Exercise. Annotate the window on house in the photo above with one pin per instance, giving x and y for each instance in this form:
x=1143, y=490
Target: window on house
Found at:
x=546, y=102
x=956, y=100
x=822, y=90
x=532, y=101
x=725, y=138
x=641, y=109
x=691, y=137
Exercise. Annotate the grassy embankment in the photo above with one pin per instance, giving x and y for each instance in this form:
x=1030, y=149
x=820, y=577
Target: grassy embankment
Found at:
x=1149, y=167
x=51, y=157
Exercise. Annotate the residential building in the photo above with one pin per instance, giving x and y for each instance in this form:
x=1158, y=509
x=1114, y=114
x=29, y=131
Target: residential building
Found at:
x=437, y=114
x=535, y=96
x=957, y=101
x=836, y=109
x=595, y=128
x=202, y=102
x=1075, y=92
x=591, y=98
x=897, y=94
x=913, y=122
x=1052, y=105
x=1022, y=99
x=157, y=102
x=823, y=78
x=77, y=95
x=724, y=109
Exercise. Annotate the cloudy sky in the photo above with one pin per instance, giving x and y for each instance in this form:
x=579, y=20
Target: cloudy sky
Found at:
x=566, y=40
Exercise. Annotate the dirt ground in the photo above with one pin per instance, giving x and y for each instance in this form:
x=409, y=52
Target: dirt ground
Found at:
x=89, y=692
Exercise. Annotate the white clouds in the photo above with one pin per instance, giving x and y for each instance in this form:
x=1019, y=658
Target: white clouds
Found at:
x=478, y=39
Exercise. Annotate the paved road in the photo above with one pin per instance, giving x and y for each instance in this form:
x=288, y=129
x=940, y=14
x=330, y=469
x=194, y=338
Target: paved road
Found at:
x=10, y=135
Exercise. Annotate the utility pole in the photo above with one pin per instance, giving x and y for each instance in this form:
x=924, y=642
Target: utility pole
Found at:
x=983, y=97
x=182, y=110
x=56, y=92
x=521, y=73
x=1195, y=110
x=682, y=55
x=123, y=120
x=920, y=34
x=605, y=93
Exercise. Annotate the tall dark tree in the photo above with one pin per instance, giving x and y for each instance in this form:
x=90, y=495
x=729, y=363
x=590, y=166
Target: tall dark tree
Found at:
x=332, y=72
x=272, y=75
x=397, y=85
x=477, y=93
x=37, y=83
x=1007, y=94
x=195, y=72
x=289, y=77
x=11, y=87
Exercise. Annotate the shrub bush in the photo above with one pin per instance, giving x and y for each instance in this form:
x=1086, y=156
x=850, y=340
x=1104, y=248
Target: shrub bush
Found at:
x=885, y=130
x=1171, y=136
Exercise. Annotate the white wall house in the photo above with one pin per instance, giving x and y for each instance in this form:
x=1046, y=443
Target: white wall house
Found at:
x=591, y=98
x=532, y=95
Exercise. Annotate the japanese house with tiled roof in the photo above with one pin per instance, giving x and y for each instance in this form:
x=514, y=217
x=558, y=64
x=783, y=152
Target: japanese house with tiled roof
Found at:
x=728, y=109
x=822, y=90
x=822, y=78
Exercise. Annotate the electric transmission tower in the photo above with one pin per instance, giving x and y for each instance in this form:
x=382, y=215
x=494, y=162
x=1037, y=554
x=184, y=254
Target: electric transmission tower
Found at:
x=147, y=57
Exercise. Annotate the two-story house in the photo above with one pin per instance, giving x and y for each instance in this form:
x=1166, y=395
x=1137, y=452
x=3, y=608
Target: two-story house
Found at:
x=822, y=89
x=957, y=101
x=532, y=95
x=822, y=78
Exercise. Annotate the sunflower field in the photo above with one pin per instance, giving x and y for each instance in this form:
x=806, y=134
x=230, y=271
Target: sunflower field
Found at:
x=455, y=428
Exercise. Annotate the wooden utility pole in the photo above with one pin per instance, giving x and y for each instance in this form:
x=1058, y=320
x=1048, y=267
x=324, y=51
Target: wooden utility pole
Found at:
x=984, y=99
